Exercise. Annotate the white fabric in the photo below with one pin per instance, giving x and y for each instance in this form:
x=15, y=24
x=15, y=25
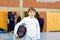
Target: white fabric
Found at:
x=32, y=26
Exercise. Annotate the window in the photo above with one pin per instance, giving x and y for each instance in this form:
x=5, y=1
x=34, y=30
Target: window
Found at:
x=46, y=0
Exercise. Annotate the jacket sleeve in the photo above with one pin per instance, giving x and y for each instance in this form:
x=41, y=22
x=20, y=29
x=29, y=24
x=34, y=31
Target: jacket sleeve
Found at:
x=17, y=26
x=38, y=30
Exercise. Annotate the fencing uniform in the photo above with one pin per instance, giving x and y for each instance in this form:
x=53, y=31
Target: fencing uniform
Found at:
x=33, y=29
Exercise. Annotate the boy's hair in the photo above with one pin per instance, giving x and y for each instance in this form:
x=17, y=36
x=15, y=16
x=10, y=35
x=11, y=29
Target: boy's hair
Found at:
x=31, y=9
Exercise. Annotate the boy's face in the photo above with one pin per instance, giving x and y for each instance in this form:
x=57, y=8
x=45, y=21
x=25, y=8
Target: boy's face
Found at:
x=31, y=13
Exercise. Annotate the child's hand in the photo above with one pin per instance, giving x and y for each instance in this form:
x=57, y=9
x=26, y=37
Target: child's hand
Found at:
x=16, y=36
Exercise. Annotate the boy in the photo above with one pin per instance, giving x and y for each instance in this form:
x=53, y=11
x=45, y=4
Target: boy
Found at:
x=32, y=26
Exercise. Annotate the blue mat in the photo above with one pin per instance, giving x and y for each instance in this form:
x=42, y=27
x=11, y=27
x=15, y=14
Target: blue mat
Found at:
x=44, y=36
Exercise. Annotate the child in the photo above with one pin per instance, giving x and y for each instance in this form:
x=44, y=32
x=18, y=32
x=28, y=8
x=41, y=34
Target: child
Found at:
x=32, y=26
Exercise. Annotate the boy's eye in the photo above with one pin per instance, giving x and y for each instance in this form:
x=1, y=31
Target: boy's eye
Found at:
x=30, y=12
x=33, y=12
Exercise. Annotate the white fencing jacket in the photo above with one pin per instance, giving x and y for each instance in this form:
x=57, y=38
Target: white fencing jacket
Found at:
x=32, y=25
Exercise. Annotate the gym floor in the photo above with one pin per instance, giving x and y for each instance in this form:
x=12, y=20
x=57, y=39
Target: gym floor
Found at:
x=44, y=36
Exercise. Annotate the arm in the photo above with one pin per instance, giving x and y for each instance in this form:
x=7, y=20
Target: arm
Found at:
x=38, y=31
x=17, y=26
